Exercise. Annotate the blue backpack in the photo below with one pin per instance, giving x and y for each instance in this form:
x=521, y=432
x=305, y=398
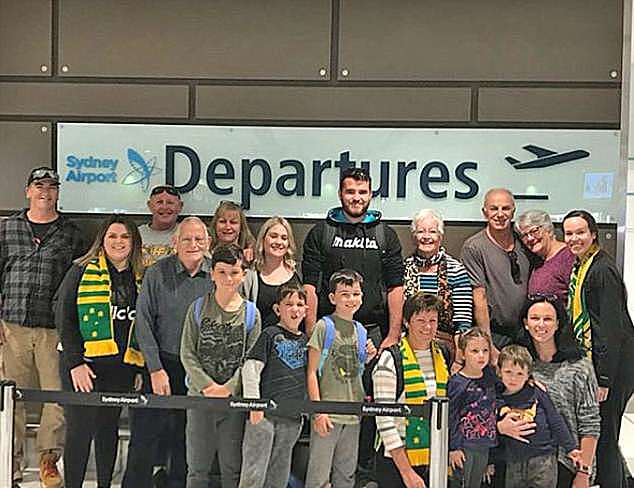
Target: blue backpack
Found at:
x=249, y=313
x=329, y=338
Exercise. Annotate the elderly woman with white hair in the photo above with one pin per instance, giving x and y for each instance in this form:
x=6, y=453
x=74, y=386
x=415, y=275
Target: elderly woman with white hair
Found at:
x=550, y=274
x=430, y=269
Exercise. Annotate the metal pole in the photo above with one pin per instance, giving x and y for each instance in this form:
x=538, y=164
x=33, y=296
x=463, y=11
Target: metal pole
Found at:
x=439, y=442
x=7, y=407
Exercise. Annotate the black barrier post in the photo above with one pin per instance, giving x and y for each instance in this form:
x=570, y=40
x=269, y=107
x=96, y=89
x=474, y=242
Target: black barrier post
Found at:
x=439, y=442
x=7, y=408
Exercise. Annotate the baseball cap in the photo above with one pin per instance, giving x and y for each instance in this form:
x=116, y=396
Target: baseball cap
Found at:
x=43, y=173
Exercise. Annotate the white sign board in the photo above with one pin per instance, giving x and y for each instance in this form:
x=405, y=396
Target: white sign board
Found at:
x=294, y=171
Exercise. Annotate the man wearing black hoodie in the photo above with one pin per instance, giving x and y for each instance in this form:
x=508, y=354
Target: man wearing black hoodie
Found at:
x=354, y=237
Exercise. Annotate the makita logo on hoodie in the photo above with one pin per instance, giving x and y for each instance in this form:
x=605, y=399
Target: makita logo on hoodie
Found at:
x=354, y=243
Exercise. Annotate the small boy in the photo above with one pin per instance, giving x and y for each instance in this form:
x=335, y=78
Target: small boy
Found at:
x=219, y=328
x=275, y=369
x=532, y=463
x=334, y=374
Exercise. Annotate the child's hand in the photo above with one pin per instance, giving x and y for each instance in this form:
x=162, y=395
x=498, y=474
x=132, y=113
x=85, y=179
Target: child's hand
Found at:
x=456, y=459
x=488, y=474
x=575, y=456
x=370, y=349
x=256, y=416
x=323, y=424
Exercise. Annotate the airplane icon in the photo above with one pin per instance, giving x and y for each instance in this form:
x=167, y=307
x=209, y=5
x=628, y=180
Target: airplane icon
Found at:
x=546, y=157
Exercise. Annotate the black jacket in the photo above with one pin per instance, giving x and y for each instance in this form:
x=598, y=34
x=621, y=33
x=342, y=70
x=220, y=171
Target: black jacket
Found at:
x=610, y=322
x=374, y=253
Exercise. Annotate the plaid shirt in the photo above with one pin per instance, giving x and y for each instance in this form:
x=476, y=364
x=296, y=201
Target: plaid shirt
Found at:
x=29, y=272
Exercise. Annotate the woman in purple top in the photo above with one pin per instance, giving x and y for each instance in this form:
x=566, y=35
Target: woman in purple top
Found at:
x=551, y=273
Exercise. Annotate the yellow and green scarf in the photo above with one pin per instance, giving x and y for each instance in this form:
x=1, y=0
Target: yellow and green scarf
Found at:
x=95, y=320
x=577, y=308
x=417, y=429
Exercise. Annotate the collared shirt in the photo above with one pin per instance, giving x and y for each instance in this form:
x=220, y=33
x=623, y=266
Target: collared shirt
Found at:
x=167, y=291
x=31, y=271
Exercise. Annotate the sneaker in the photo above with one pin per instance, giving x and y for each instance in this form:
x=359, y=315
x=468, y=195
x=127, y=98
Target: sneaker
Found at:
x=49, y=475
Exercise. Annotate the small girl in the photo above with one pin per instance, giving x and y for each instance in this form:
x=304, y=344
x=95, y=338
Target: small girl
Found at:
x=275, y=369
x=229, y=226
x=472, y=415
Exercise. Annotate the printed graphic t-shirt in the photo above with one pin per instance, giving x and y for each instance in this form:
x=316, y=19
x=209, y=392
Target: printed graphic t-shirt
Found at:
x=284, y=356
x=341, y=376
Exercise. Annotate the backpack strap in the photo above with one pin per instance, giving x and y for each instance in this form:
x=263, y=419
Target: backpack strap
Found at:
x=362, y=338
x=329, y=338
x=395, y=351
x=198, y=308
x=249, y=316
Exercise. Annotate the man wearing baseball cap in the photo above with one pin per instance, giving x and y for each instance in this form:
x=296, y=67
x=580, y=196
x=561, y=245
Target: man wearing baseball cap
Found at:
x=37, y=246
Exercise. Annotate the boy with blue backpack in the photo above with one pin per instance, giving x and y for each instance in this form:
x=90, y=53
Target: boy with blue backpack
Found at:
x=337, y=353
x=220, y=327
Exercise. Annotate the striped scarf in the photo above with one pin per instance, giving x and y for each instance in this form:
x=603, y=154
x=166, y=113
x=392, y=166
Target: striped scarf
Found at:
x=577, y=308
x=417, y=428
x=95, y=320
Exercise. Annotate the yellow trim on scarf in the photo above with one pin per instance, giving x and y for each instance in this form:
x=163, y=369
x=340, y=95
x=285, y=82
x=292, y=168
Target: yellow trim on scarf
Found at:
x=577, y=308
x=416, y=392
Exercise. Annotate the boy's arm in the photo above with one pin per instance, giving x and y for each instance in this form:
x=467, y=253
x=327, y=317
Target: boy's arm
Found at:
x=198, y=379
x=251, y=377
x=233, y=385
x=312, y=383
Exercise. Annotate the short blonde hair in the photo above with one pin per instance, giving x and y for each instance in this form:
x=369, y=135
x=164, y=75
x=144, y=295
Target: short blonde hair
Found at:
x=517, y=356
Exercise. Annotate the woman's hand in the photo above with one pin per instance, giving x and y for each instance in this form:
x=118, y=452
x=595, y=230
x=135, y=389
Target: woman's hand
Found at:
x=517, y=429
x=412, y=480
x=581, y=480
x=82, y=377
x=602, y=393
x=456, y=459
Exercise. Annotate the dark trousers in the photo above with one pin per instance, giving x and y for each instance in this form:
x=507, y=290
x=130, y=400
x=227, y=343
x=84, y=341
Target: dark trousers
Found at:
x=610, y=464
x=367, y=433
x=83, y=424
x=388, y=475
x=147, y=429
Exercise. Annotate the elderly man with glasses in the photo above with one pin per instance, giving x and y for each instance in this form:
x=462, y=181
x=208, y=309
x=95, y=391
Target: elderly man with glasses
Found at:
x=498, y=266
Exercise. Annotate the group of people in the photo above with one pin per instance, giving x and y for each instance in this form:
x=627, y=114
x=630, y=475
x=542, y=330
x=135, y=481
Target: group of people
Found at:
x=528, y=336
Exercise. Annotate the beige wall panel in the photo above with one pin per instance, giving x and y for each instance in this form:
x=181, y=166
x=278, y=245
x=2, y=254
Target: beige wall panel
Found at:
x=108, y=100
x=499, y=40
x=25, y=145
x=25, y=37
x=549, y=105
x=333, y=103
x=248, y=39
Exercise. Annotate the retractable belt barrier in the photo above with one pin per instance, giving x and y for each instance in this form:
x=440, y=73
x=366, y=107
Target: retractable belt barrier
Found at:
x=436, y=410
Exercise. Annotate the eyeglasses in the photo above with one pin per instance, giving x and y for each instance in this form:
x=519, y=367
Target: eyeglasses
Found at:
x=533, y=232
x=169, y=189
x=516, y=272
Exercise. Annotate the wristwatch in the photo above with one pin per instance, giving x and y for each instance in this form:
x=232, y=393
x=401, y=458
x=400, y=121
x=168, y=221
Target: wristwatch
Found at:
x=585, y=469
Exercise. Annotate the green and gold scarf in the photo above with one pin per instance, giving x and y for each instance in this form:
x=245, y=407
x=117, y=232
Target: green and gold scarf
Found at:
x=417, y=429
x=95, y=320
x=577, y=308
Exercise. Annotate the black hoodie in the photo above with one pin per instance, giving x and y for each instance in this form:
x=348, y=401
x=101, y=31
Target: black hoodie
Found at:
x=336, y=244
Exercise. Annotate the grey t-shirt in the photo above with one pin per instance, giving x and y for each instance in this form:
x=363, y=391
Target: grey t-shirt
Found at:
x=156, y=243
x=489, y=266
x=341, y=376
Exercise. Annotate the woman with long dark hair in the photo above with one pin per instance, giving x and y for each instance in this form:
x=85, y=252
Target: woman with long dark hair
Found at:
x=569, y=377
x=95, y=316
x=597, y=306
